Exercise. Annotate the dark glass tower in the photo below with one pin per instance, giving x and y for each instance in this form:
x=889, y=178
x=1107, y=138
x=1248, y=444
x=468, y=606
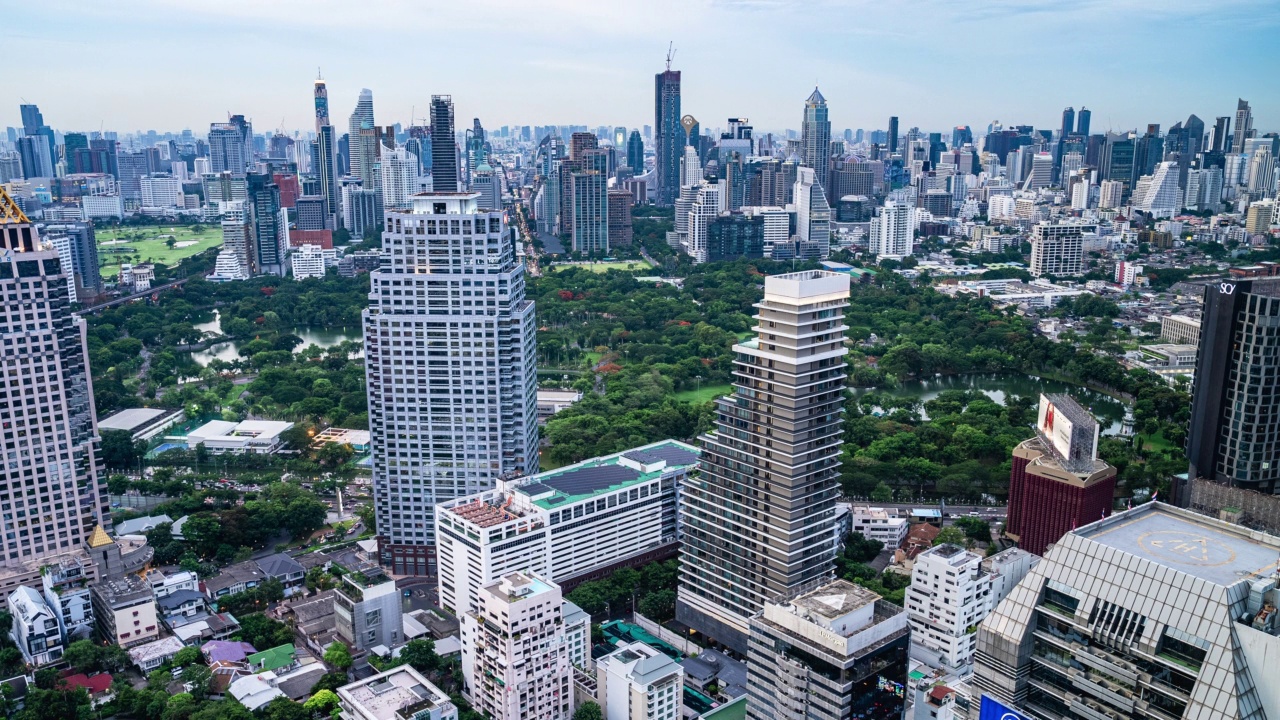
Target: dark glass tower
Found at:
x=893, y=134
x=1234, y=437
x=635, y=153
x=1082, y=122
x=444, y=148
x=670, y=135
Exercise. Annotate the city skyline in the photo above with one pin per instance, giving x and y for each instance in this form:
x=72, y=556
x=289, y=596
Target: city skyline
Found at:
x=867, y=74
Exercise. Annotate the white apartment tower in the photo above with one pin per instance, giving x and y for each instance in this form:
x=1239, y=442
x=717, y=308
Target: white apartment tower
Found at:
x=893, y=231
x=702, y=213
x=759, y=520
x=1058, y=249
x=951, y=591
x=237, y=233
x=813, y=214
x=1158, y=193
x=47, y=405
x=515, y=661
x=449, y=358
x=1110, y=194
x=1041, y=175
x=399, y=178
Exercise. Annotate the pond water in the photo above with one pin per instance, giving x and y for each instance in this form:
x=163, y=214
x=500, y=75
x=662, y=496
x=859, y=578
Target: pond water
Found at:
x=230, y=352
x=997, y=386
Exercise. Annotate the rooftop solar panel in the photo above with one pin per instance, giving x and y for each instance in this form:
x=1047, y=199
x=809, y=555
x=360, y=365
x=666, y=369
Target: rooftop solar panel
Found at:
x=534, y=489
x=673, y=454
x=586, y=480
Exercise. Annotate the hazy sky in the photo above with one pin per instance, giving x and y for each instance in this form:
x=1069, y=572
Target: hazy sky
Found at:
x=166, y=65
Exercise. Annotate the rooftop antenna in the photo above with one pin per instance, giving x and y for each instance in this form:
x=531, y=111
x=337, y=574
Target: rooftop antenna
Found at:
x=671, y=53
x=318, y=75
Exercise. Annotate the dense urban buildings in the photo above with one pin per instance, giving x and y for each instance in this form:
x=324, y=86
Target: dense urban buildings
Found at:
x=829, y=651
x=452, y=298
x=1154, y=612
x=1057, y=482
x=758, y=519
x=1235, y=420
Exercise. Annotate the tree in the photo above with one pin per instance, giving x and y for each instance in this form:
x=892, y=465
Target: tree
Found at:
x=120, y=452
x=659, y=606
x=588, y=711
x=950, y=535
x=859, y=548
x=282, y=708
x=186, y=656
x=975, y=528
x=83, y=655
x=421, y=655
x=180, y=706
x=330, y=681
x=338, y=656
x=262, y=632
x=882, y=493
x=321, y=703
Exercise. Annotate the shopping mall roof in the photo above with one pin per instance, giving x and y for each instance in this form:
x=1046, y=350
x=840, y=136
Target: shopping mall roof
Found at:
x=598, y=476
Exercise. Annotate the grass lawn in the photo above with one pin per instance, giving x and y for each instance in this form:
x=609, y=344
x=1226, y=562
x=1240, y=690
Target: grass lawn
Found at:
x=638, y=265
x=592, y=358
x=705, y=394
x=1155, y=442
x=149, y=243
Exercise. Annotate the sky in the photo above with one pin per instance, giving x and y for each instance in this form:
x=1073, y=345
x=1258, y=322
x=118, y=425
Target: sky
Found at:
x=158, y=64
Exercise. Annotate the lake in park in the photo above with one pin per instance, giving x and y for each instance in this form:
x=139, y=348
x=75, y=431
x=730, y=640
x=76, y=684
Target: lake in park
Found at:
x=229, y=351
x=997, y=386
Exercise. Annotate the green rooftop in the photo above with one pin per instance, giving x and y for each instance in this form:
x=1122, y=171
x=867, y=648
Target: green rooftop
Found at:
x=272, y=658
x=560, y=488
x=735, y=709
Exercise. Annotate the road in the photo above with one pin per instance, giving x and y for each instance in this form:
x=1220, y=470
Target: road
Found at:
x=134, y=296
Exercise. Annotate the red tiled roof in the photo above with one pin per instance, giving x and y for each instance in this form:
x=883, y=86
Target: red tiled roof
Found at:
x=99, y=683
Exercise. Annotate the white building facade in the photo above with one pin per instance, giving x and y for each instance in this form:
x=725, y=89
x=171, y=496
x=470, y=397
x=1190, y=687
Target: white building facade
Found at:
x=637, y=682
x=893, y=231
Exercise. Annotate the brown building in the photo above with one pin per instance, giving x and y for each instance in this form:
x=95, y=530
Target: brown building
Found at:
x=1156, y=239
x=620, y=202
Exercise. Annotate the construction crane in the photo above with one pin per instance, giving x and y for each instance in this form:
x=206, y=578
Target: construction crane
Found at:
x=671, y=53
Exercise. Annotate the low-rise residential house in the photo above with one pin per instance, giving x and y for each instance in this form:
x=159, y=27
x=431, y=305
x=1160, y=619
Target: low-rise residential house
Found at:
x=297, y=683
x=98, y=686
x=277, y=659
x=181, y=606
x=35, y=627
x=214, y=626
x=255, y=691
x=367, y=609
x=154, y=654
x=227, y=651
x=288, y=571
x=234, y=579
x=162, y=584
x=66, y=590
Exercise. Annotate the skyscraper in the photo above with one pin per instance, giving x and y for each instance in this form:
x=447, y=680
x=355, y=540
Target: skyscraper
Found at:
x=1218, y=136
x=33, y=126
x=813, y=215
x=1082, y=122
x=227, y=151
x=325, y=158
x=893, y=231
x=670, y=140
x=55, y=452
x=449, y=345
x=444, y=147
x=1234, y=437
x=758, y=521
x=893, y=134
x=635, y=153
x=1068, y=122
x=364, y=147
x=1244, y=126
x=269, y=250
x=815, y=138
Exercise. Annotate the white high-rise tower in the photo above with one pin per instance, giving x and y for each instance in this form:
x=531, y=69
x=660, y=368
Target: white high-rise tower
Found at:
x=893, y=231
x=449, y=357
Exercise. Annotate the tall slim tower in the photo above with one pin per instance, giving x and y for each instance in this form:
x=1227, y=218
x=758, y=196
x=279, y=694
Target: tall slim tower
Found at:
x=449, y=359
x=670, y=140
x=1244, y=126
x=815, y=138
x=893, y=134
x=635, y=153
x=444, y=146
x=324, y=159
x=759, y=519
x=364, y=146
x=53, y=462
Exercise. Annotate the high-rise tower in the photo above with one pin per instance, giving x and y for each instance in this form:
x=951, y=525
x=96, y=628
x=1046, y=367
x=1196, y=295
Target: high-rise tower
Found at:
x=1082, y=122
x=893, y=134
x=670, y=140
x=758, y=521
x=364, y=146
x=449, y=357
x=444, y=147
x=324, y=159
x=815, y=138
x=53, y=462
x=635, y=153
x=1244, y=126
